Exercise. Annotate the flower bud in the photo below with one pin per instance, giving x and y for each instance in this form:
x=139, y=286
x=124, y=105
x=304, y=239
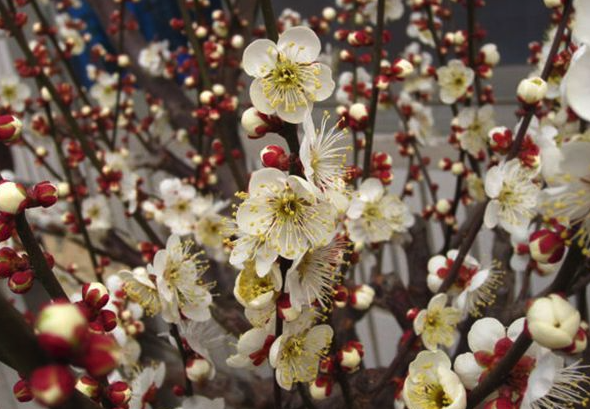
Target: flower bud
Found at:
x=88, y=386
x=553, y=322
x=350, y=356
x=6, y=226
x=237, y=41
x=206, y=97
x=108, y=320
x=253, y=123
x=118, y=393
x=321, y=388
x=13, y=197
x=52, y=385
x=329, y=13
x=95, y=295
x=546, y=246
x=274, y=156
x=44, y=194
x=286, y=310
x=490, y=54
x=443, y=206
x=101, y=355
x=359, y=112
x=21, y=281
x=362, y=297
x=532, y=90
x=580, y=341
x=402, y=68
x=10, y=129
x=8, y=260
x=501, y=139
x=61, y=328
x=198, y=369
x=340, y=296
x=22, y=391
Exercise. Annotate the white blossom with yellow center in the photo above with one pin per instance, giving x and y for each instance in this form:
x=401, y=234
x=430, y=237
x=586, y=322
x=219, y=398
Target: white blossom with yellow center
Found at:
x=140, y=288
x=475, y=124
x=431, y=384
x=288, y=80
x=569, y=203
x=454, y=79
x=375, y=216
x=513, y=196
x=296, y=354
x=286, y=212
x=436, y=324
x=253, y=291
x=178, y=273
x=13, y=93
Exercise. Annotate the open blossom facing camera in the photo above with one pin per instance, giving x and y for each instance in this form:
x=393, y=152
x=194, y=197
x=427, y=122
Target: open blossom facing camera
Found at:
x=296, y=354
x=475, y=123
x=436, y=324
x=431, y=384
x=288, y=80
x=394, y=10
x=178, y=273
x=104, y=91
x=454, y=80
x=153, y=58
x=286, y=212
x=513, y=196
x=375, y=215
x=13, y=93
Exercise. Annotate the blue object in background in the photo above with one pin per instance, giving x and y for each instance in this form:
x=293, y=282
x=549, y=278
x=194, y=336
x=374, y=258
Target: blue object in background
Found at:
x=153, y=17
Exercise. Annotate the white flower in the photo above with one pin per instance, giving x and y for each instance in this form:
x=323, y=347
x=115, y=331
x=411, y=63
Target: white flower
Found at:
x=436, y=324
x=570, y=202
x=475, y=123
x=253, y=291
x=145, y=385
x=439, y=267
x=286, y=212
x=479, y=292
x=153, y=58
x=431, y=384
x=178, y=274
x=394, y=10
x=96, y=209
x=488, y=341
x=13, y=197
x=105, y=90
x=202, y=337
x=70, y=35
x=553, y=322
x=513, y=196
x=532, y=90
x=420, y=122
x=253, y=248
x=323, y=156
x=141, y=288
x=576, y=82
x=127, y=185
x=551, y=384
x=179, y=210
x=454, y=79
x=345, y=91
x=582, y=21
x=375, y=216
x=296, y=354
x=252, y=348
x=287, y=79
x=313, y=275
x=13, y=93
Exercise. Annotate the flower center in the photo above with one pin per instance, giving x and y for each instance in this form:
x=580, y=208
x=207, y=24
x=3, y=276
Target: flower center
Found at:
x=9, y=92
x=252, y=286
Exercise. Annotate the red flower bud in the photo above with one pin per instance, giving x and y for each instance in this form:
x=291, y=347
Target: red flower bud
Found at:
x=52, y=385
x=101, y=355
x=10, y=129
x=21, y=281
x=8, y=258
x=22, y=391
x=119, y=393
x=546, y=246
x=274, y=156
x=43, y=194
x=95, y=295
x=6, y=226
x=61, y=328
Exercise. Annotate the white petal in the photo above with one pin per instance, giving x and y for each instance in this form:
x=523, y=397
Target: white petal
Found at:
x=259, y=58
x=258, y=98
x=491, y=217
x=577, y=87
x=468, y=370
x=484, y=334
x=300, y=44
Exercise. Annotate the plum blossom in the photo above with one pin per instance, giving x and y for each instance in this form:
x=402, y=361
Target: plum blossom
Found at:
x=153, y=58
x=454, y=79
x=287, y=78
x=475, y=123
x=437, y=323
x=13, y=93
